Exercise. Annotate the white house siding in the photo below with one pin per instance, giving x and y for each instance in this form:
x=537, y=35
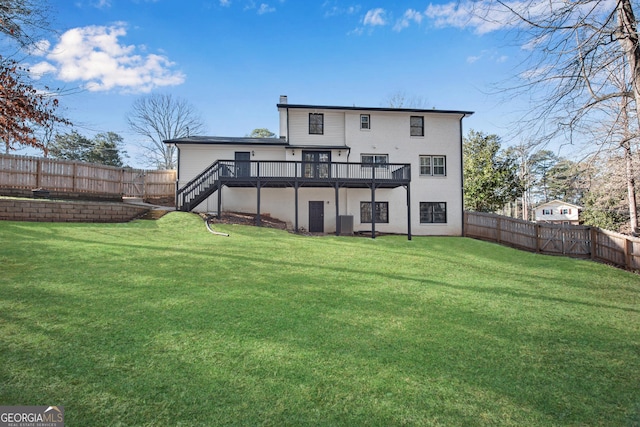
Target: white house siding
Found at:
x=333, y=128
x=389, y=134
x=279, y=203
x=556, y=207
x=194, y=158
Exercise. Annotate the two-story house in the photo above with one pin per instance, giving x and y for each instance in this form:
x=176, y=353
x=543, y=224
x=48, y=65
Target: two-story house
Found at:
x=558, y=212
x=335, y=169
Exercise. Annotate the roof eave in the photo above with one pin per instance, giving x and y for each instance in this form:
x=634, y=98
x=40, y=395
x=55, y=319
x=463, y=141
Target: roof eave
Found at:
x=382, y=109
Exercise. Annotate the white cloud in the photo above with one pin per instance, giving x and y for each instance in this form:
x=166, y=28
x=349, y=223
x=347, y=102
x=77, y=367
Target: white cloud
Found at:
x=465, y=15
x=488, y=55
x=225, y=3
x=485, y=16
x=103, y=4
x=261, y=9
x=375, y=17
x=94, y=57
x=265, y=8
x=334, y=8
x=409, y=16
x=40, y=69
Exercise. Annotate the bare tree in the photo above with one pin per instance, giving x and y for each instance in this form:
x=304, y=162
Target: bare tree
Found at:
x=400, y=99
x=161, y=117
x=23, y=107
x=24, y=21
x=572, y=76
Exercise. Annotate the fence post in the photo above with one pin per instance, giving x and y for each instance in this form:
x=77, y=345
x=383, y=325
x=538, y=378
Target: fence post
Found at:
x=498, y=237
x=594, y=242
x=121, y=182
x=538, y=246
x=38, y=173
x=628, y=250
x=74, y=172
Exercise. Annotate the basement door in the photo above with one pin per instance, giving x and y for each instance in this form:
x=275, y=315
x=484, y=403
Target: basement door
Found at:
x=316, y=217
x=243, y=166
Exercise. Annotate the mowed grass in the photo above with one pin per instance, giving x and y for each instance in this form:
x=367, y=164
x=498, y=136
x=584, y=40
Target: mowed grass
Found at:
x=162, y=323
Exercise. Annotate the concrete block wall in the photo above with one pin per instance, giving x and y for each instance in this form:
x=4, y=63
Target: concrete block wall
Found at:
x=67, y=211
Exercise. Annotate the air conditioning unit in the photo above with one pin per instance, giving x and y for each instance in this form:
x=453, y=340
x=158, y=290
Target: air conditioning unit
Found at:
x=345, y=225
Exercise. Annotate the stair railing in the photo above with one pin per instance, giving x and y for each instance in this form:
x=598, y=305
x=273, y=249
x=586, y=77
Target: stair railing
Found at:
x=201, y=183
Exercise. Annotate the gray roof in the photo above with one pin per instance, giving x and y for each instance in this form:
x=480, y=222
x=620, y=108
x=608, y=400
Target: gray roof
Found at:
x=402, y=110
x=226, y=140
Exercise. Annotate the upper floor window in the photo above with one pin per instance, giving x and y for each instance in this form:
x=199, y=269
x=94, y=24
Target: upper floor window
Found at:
x=316, y=123
x=547, y=212
x=365, y=121
x=374, y=160
x=565, y=211
x=417, y=125
x=433, y=165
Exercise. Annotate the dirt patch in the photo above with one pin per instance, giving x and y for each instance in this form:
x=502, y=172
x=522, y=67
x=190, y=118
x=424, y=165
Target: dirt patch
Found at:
x=246, y=219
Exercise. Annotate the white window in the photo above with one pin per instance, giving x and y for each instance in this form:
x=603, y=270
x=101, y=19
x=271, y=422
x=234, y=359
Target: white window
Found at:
x=433, y=166
x=565, y=211
x=547, y=212
x=379, y=160
x=365, y=121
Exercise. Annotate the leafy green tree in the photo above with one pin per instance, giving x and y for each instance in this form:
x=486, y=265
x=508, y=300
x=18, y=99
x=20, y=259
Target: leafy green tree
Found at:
x=261, y=133
x=103, y=149
x=541, y=163
x=604, y=211
x=69, y=146
x=566, y=181
x=605, y=202
x=490, y=177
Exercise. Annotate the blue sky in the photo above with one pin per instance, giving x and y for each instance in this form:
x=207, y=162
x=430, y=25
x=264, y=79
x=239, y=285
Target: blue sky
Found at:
x=232, y=59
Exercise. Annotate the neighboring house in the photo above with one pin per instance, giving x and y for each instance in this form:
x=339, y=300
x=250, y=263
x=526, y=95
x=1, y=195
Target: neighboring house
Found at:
x=335, y=169
x=558, y=212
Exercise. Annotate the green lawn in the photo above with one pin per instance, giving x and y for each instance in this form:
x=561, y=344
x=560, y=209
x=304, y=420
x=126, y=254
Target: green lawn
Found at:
x=160, y=323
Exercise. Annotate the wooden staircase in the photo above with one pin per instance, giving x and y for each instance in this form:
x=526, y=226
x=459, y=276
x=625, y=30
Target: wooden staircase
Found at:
x=199, y=188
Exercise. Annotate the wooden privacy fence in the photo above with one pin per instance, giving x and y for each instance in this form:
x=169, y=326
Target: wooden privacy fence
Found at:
x=569, y=240
x=28, y=173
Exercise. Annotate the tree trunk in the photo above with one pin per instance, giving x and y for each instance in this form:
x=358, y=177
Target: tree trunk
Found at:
x=627, y=34
x=631, y=188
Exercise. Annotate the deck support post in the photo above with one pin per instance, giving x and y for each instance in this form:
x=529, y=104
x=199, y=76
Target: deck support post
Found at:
x=408, y=211
x=373, y=211
x=373, y=202
x=338, y=225
x=258, y=219
x=219, y=198
x=296, y=186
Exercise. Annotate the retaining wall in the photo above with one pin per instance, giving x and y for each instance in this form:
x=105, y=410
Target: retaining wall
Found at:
x=68, y=211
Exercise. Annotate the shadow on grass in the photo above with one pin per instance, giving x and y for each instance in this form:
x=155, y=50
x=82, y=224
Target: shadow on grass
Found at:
x=283, y=341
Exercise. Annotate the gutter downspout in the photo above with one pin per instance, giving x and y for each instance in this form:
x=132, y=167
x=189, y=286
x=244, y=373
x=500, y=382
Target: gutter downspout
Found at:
x=462, y=174
x=177, y=173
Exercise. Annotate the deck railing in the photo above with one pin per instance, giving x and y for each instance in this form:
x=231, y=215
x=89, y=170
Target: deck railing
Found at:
x=309, y=173
x=315, y=170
